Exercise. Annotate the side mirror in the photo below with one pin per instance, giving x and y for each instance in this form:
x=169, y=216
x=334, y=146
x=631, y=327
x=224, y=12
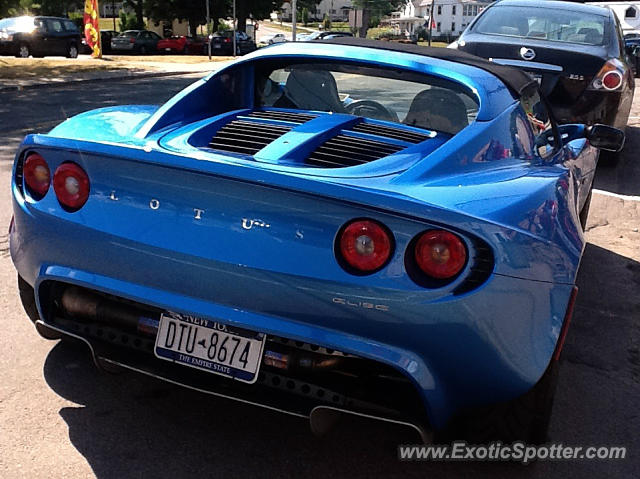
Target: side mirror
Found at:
x=605, y=137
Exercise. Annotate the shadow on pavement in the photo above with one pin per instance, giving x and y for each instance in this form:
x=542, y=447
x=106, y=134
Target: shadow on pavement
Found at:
x=622, y=176
x=131, y=425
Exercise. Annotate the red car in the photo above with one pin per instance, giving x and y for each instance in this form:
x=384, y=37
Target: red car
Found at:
x=182, y=44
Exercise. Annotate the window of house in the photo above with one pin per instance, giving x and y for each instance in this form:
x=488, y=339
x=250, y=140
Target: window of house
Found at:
x=630, y=13
x=453, y=26
x=453, y=10
x=439, y=9
x=439, y=27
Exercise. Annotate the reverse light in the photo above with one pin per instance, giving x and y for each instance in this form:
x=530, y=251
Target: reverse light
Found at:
x=364, y=246
x=71, y=185
x=37, y=176
x=610, y=77
x=440, y=254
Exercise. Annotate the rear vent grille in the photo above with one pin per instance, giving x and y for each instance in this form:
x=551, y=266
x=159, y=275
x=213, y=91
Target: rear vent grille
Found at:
x=283, y=116
x=246, y=137
x=343, y=150
x=390, y=132
x=482, y=265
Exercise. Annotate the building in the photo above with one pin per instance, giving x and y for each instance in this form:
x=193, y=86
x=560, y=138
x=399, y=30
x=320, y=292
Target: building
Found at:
x=450, y=17
x=336, y=10
x=628, y=13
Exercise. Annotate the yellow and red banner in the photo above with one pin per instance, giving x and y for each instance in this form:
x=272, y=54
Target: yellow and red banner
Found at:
x=92, y=27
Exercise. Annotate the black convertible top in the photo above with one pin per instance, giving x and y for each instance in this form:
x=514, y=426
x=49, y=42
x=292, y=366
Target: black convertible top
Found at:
x=516, y=80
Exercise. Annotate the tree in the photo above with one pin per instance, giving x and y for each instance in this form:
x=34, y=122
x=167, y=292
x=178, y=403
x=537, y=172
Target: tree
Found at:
x=305, y=16
x=377, y=9
x=258, y=9
x=138, y=8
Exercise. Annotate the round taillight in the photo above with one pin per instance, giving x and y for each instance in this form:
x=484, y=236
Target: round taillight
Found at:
x=440, y=254
x=71, y=185
x=612, y=80
x=37, y=176
x=365, y=246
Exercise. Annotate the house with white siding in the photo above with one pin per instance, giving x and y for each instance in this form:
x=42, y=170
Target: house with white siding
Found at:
x=628, y=13
x=450, y=17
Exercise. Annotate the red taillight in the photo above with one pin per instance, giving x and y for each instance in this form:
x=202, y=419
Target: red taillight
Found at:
x=440, y=254
x=365, y=245
x=36, y=175
x=132, y=40
x=610, y=77
x=71, y=185
x=611, y=80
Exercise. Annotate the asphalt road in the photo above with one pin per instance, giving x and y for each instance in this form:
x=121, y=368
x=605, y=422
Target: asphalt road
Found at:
x=60, y=418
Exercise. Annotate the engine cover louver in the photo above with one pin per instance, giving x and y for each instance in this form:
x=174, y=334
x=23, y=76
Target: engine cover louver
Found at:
x=391, y=132
x=288, y=116
x=246, y=137
x=343, y=150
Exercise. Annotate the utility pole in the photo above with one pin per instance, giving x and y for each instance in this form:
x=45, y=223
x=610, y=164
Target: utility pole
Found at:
x=234, y=28
x=113, y=13
x=294, y=13
x=208, y=32
x=433, y=2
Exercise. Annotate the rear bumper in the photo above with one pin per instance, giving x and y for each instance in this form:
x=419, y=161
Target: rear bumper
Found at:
x=609, y=108
x=486, y=346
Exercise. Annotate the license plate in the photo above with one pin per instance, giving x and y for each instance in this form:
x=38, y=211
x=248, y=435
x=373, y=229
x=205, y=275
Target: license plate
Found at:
x=216, y=46
x=167, y=49
x=211, y=346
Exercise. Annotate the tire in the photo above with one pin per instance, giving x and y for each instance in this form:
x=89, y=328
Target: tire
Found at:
x=23, y=51
x=584, y=212
x=72, y=51
x=525, y=418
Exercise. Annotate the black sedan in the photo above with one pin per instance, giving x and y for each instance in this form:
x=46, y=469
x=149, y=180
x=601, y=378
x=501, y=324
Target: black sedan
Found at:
x=575, y=51
x=222, y=43
x=39, y=36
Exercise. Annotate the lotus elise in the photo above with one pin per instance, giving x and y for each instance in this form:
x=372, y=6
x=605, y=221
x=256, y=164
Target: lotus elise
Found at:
x=339, y=227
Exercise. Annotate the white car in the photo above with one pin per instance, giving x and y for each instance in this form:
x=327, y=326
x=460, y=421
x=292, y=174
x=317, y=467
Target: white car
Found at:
x=277, y=38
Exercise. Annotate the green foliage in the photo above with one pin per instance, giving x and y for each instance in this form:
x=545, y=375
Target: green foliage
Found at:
x=77, y=18
x=326, y=22
x=128, y=21
x=305, y=16
x=379, y=33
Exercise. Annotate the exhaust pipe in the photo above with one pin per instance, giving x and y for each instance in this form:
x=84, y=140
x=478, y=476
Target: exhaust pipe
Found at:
x=82, y=305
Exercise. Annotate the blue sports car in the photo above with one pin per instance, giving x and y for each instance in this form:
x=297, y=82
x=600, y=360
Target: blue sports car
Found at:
x=348, y=226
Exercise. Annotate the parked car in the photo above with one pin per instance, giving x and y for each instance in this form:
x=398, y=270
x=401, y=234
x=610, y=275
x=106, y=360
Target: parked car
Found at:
x=142, y=42
x=39, y=37
x=105, y=42
x=222, y=43
x=277, y=38
x=321, y=35
x=182, y=44
x=575, y=51
x=355, y=226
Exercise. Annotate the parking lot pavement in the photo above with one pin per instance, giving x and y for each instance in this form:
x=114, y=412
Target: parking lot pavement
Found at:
x=59, y=418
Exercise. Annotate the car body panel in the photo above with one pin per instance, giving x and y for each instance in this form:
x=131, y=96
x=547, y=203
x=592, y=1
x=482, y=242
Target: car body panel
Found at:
x=174, y=225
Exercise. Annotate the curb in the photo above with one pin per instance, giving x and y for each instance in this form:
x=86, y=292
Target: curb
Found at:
x=87, y=80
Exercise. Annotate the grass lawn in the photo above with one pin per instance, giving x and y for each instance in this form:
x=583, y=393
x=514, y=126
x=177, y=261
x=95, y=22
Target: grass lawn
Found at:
x=433, y=44
x=33, y=68
x=287, y=28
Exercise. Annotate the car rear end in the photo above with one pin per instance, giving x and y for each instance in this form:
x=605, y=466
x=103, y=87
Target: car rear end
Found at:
x=342, y=268
x=125, y=41
x=574, y=51
x=222, y=43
